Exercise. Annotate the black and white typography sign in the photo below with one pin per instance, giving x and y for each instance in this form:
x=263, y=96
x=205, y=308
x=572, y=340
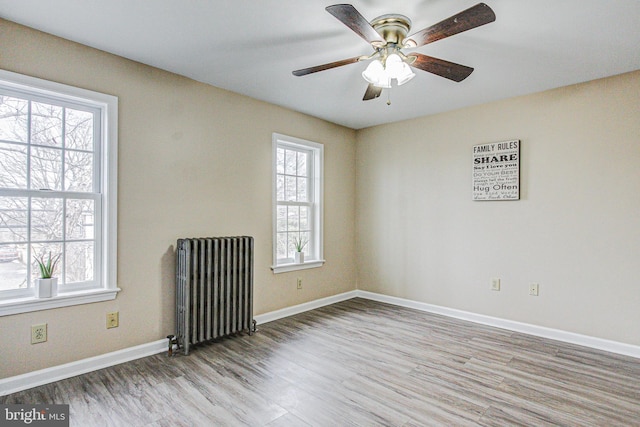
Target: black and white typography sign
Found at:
x=496, y=171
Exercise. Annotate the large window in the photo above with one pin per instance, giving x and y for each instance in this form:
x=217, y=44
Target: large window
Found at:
x=57, y=190
x=297, y=194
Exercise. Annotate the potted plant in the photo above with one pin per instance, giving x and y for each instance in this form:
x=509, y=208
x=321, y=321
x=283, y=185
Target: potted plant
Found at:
x=47, y=285
x=299, y=243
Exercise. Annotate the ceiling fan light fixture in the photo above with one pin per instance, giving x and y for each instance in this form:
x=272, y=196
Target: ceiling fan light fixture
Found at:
x=376, y=75
x=383, y=83
x=405, y=75
x=393, y=66
x=373, y=71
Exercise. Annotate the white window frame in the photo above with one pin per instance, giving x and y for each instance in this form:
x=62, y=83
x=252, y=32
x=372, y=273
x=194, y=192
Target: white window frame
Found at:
x=316, y=197
x=106, y=224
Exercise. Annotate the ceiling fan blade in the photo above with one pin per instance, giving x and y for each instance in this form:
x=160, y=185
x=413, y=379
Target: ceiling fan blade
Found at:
x=349, y=16
x=310, y=70
x=372, y=92
x=473, y=17
x=440, y=67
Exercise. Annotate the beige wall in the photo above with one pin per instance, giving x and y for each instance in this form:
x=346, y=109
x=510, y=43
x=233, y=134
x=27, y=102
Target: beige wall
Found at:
x=575, y=231
x=193, y=161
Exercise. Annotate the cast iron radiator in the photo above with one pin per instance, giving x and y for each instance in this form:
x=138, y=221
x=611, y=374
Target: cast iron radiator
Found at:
x=214, y=289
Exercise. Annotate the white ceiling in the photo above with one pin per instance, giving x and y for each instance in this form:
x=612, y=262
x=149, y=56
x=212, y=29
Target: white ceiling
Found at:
x=251, y=47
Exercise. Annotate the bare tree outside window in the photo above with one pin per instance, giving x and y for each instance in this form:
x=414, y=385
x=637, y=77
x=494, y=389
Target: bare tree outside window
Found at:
x=48, y=195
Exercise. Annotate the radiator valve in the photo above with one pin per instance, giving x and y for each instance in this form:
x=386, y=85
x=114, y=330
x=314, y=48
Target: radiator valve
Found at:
x=172, y=340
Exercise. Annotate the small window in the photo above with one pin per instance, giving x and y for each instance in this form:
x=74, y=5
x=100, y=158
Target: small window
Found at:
x=57, y=190
x=297, y=195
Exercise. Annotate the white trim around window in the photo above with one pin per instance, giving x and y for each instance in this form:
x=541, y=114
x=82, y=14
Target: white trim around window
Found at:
x=297, y=199
x=104, y=284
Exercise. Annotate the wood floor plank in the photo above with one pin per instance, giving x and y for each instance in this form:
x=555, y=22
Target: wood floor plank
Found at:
x=360, y=363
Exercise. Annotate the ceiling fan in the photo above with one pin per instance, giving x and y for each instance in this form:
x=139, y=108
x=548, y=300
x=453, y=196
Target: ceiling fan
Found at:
x=387, y=35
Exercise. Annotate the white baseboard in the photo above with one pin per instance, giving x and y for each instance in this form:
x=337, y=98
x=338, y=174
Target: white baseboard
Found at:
x=68, y=370
x=72, y=369
x=301, y=308
x=526, y=328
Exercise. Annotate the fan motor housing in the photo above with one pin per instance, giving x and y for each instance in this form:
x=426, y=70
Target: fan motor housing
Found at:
x=392, y=27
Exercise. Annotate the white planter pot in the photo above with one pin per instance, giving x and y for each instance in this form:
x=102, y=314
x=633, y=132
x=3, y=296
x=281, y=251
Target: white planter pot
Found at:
x=299, y=257
x=47, y=288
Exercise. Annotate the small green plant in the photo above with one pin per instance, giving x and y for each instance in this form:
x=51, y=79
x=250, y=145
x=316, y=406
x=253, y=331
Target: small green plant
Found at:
x=47, y=267
x=299, y=243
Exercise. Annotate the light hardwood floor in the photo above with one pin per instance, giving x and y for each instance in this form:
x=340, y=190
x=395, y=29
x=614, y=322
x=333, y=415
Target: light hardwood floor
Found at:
x=360, y=363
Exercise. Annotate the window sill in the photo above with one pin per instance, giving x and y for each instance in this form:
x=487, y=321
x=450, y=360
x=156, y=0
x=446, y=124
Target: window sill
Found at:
x=283, y=268
x=26, y=305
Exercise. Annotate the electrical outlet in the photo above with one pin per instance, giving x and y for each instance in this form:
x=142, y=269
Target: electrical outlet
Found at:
x=112, y=320
x=38, y=333
x=533, y=289
x=495, y=284
x=299, y=283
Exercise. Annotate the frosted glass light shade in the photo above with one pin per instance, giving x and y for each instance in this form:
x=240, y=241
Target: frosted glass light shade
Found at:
x=373, y=71
x=383, y=82
x=405, y=75
x=393, y=66
x=376, y=75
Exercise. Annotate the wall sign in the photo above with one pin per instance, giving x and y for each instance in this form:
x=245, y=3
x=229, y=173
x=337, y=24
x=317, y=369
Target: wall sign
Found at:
x=496, y=171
